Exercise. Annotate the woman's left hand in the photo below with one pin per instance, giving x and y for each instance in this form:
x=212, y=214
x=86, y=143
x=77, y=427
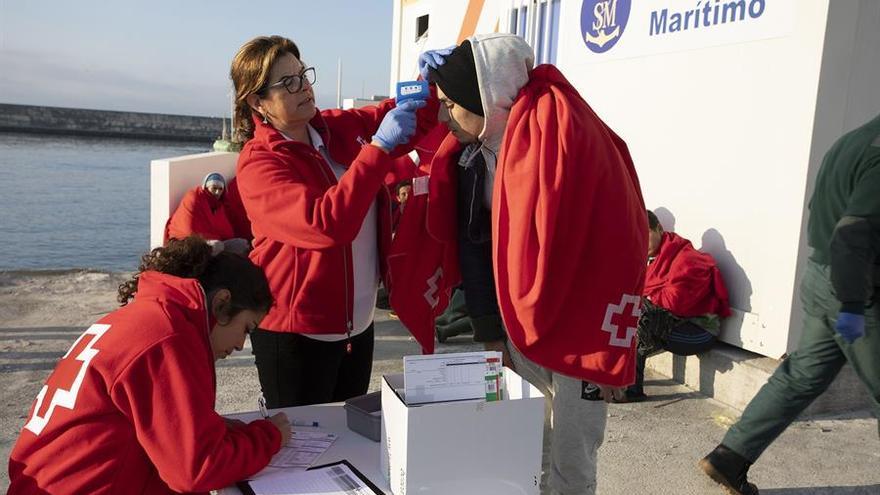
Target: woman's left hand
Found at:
x=398, y=125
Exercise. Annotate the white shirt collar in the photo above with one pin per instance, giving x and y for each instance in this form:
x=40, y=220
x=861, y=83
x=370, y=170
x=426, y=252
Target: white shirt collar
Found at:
x=317, y=142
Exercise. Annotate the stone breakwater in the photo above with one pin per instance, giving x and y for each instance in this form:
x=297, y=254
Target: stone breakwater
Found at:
x=104, y=123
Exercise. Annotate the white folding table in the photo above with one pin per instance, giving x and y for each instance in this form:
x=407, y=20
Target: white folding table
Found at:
x=358, y=450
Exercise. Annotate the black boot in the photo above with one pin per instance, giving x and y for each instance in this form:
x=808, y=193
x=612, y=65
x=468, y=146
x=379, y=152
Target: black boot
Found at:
x=636, y=391
x=729, y=469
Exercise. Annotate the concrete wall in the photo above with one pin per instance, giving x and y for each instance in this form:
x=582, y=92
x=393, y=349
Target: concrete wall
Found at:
x=102, y=123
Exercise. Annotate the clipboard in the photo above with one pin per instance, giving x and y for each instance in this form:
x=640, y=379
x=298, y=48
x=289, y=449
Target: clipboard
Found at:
x=247, y=490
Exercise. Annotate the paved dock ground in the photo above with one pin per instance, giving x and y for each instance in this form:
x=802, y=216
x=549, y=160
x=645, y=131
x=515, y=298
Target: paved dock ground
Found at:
x=650, y=447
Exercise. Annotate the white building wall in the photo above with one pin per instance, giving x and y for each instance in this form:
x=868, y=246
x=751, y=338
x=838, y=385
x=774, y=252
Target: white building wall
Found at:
x=721, y=140
x=726, y=127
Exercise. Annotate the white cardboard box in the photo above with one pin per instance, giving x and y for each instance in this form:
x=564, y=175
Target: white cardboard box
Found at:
x=463, y=448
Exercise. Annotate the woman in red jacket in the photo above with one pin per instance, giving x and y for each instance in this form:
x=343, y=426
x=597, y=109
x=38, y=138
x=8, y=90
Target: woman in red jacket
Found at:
x=315, y=193
x=130, y=407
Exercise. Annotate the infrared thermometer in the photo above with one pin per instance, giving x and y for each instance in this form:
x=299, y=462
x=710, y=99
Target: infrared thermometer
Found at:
x=412, y=90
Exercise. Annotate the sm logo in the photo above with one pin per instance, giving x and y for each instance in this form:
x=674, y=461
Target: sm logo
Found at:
x=603, y=22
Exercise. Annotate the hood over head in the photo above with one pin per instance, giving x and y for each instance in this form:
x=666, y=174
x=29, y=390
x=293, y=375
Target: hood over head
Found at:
x=214, y=178
x=503, y=63
x=186, y=293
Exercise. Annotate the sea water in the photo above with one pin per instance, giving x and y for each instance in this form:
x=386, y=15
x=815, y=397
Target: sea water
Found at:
x=77, y=202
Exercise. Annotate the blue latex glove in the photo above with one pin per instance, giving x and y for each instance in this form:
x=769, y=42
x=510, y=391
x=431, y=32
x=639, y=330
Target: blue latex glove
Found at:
x=433, y=59
x=850, y=326
x=398, y=125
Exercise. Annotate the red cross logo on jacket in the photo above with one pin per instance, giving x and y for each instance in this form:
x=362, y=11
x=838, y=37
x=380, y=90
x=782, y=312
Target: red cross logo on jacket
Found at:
x=617, y=316
x=69, y=373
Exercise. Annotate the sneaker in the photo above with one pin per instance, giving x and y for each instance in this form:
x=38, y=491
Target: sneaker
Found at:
x=728, y=469
x=590, y=391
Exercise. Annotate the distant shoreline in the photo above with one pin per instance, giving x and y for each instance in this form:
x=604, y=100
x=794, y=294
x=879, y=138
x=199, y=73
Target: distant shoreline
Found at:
x=52, y=272
x=108, y=124
x=110, y=135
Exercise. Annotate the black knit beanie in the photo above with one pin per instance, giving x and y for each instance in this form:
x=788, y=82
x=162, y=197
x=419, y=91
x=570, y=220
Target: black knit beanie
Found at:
x=458, y=78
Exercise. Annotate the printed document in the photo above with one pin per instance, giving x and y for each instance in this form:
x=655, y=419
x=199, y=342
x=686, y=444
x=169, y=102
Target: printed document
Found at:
x=448, y=377
x=304, y=447
x=335, y=479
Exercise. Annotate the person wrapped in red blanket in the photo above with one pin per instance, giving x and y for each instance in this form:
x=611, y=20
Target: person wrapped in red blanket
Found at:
x=211, y=212
x=534, y=203
x=683, y=302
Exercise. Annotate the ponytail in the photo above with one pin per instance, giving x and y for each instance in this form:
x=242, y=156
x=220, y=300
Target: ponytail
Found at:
x=191, y=258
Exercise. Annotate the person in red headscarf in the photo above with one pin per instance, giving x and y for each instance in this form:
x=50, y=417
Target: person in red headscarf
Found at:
x=205, y=211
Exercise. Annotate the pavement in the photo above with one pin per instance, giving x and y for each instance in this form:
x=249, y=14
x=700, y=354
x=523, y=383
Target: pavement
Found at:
x=650, y=447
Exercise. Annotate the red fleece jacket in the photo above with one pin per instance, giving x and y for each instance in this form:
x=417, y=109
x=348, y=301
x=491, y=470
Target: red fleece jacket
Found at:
x=130, y=407
x=304, y=219
x=241, y=226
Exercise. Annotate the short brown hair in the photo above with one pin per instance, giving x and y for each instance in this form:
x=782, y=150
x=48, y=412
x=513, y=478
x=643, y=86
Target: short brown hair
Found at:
x=653, y=221
x=249, y=74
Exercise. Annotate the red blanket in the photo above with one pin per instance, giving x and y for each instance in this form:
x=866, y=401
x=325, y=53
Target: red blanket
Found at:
x=569, y=235
x=423, y=262
x=569, y=238
x=685, y=281
x=199, y=212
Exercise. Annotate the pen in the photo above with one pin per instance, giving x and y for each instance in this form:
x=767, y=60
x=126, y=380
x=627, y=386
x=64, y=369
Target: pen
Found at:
x=262, y=403
x=299, y=422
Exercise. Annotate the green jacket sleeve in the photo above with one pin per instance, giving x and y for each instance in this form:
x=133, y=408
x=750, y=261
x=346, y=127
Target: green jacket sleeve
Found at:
x=855, y=244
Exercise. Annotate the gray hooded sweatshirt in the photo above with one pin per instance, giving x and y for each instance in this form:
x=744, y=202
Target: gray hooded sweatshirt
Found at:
x=503, y=63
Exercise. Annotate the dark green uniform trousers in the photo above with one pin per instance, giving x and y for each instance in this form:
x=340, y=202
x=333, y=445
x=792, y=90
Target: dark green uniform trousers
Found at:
x=810, y=369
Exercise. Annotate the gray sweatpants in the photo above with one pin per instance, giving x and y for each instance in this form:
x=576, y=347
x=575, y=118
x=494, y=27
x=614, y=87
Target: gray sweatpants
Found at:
x=574, y=428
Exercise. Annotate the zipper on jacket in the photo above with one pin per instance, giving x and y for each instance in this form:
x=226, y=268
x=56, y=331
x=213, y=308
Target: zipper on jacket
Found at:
x=348, y=316
x=473, y=192
x=391, y=224
x=471, y=212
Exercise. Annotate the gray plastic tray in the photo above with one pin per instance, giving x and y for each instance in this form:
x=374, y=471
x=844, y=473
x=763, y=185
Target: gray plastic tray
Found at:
x=364, y=415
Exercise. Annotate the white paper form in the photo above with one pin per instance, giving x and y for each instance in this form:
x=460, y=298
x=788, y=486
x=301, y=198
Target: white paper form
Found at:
x=303, y=448
x=445, y=377
x=337, y=479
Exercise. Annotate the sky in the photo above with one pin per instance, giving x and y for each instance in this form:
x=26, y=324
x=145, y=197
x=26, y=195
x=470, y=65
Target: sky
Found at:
x=164, y=56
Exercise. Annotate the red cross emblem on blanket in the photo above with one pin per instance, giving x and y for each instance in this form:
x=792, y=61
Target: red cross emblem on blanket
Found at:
x=63, y=385
x=432, y=294
x=622, y=317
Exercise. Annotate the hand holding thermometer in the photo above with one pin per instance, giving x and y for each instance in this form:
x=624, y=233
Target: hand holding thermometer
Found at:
x=399, y=123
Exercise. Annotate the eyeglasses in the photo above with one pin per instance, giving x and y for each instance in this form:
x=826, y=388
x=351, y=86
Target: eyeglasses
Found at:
x=294, y=83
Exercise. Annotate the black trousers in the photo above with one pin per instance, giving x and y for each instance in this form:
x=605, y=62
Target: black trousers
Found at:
x=295, y=370
x=686, y=339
